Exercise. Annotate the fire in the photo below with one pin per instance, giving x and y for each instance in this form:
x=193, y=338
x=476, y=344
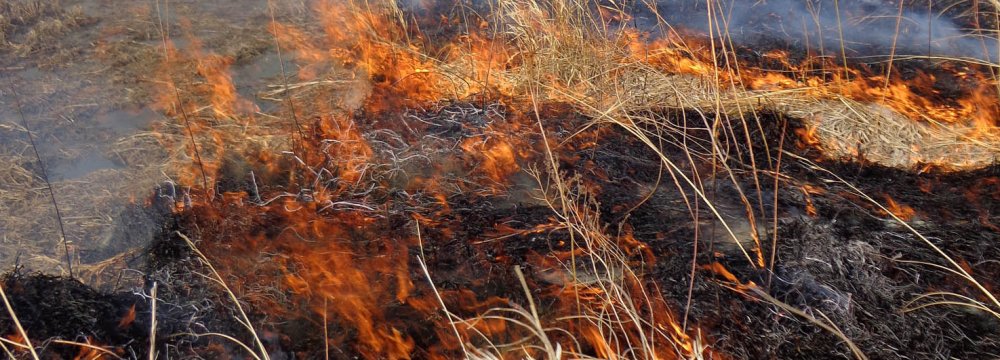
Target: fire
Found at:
x=128, y=319
x=943, y=102
x=360, y=175
x=344, y=281
x=721, y=270
x=215, y=71
x=807, y=137
x=498, y=159
x=92, y=352
x=333, y=277
x=807, y=192
x=16, y=338
x=901, y=211
x=378, y=46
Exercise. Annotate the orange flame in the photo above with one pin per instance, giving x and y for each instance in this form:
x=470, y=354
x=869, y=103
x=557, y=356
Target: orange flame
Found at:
x=901, y=211
x=346, y=265
x=128, y=319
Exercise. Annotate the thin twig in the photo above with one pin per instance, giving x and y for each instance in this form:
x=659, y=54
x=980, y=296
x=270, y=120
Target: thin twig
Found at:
x=45, y=176
x=180, y=105
x=444, y=308
x=152, y=325
x=17, y=324
x=87, y=346
x=232, y=296
x=284, y=77
x=858, y=354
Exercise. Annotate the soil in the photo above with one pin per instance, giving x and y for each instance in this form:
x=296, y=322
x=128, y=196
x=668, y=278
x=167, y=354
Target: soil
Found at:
x=849, y=262
x=52, y=307
x=82, y=75
x=836, y=256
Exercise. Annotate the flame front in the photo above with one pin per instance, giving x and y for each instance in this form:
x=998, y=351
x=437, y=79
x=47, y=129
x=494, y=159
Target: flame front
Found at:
x=337, y=236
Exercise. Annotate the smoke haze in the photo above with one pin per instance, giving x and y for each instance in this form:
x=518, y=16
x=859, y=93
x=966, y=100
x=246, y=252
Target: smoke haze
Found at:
x=868, y=26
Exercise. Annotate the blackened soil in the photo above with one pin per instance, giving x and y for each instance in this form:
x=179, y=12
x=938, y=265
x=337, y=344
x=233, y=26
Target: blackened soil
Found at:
x=50, y=307
x=841, y=258
x=850, y=262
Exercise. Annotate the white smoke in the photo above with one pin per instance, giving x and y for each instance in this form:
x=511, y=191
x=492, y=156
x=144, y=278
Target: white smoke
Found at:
x=864, y=28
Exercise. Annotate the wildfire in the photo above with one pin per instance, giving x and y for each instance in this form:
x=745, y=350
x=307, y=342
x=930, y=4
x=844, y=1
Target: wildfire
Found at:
x=340, y=252
x=498, y=160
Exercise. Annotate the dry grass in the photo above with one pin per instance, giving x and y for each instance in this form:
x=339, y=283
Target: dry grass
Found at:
x=613, y=312
x=20, y=330
x=596, y=71
x=30, y=25
x=30, y=232
x=563, y=54
x=566, y=55
x=260, y=353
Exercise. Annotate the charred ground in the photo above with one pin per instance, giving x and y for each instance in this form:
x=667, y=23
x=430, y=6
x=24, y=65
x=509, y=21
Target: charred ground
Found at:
x=847, y=261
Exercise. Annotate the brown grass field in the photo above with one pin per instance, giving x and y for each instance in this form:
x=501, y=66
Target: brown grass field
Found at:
x=498, y=179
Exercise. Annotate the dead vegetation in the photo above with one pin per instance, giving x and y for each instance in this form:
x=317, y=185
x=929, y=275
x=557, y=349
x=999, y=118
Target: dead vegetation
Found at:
x=675, y=212
x=27, y=26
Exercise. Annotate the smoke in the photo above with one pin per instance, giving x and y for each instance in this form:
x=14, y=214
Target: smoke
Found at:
x=869, y=29
x=865, y=28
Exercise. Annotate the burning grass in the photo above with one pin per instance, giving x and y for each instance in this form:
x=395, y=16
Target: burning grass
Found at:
x=540, y=180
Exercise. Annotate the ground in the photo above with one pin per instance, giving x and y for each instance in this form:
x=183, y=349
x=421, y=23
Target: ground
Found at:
x=343, y=214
